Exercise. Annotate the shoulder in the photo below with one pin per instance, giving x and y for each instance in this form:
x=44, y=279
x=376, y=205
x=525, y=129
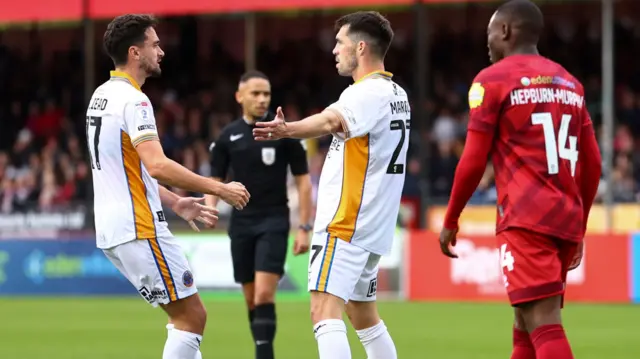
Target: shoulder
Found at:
x=372, y=90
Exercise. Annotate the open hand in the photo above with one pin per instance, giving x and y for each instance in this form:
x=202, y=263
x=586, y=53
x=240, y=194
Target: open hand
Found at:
x=190, y=209
x=272, y=130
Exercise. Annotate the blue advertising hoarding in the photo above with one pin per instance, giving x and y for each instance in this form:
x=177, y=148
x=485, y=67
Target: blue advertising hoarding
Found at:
x=50, y=267
x=635, y=268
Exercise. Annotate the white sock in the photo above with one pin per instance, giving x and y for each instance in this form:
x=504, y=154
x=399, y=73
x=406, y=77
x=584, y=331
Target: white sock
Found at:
x=179, y=344
x=331, y=335
x=377, y=342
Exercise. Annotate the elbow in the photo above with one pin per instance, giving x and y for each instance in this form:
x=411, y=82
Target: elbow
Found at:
x=156, y=169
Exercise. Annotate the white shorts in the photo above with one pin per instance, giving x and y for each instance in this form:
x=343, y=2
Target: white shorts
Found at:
x=342, y=269
x=157, y=268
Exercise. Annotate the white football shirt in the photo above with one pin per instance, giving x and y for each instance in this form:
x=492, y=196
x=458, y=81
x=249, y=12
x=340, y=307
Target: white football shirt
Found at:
x=126, y=198
x=363, y=174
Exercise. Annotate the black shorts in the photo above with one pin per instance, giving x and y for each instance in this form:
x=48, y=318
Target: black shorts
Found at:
x=258, y=245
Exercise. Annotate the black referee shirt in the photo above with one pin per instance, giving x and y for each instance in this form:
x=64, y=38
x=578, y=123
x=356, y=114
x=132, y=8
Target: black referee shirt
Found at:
x=259, y=165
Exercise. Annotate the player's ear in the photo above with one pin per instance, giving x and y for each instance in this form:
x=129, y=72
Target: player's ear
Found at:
x=134, y=52
x=361, y=46
x=506, y=31
x=238, y=97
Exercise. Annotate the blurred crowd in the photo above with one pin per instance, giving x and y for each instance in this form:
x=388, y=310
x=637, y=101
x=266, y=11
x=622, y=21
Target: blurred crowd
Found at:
x=43, y=164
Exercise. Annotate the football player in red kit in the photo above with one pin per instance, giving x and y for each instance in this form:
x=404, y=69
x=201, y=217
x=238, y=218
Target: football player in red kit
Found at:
x=529, y=115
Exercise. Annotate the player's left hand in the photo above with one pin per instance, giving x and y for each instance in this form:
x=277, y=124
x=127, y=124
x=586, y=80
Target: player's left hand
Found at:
x=448, y=237
x=272, y=130
x=577, y=258
x=301, y=243
x=190, y=209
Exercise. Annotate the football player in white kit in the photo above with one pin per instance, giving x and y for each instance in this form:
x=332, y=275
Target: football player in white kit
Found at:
x=360, y=187
x=127, y=162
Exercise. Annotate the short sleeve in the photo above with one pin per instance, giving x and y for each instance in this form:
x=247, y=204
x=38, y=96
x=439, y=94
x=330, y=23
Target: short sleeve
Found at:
x=297, y=155
x=361, y=107
x=485, y=101
x=220, y=158
x=140, y=121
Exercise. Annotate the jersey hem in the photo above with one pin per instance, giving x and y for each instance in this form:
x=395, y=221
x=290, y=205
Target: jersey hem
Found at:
x=541, y=230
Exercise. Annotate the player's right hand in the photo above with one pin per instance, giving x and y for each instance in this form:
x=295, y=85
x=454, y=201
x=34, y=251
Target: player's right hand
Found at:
x=448, y=238
x=235, y=194
x=577, y=258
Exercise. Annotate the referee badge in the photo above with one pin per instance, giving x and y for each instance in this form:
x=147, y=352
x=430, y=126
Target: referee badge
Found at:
x=268, y=155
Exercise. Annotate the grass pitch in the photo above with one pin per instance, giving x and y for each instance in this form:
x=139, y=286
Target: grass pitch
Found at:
x=123, y=328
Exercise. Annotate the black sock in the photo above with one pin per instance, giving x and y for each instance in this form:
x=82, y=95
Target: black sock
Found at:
x=252, y=314
x=263, y=328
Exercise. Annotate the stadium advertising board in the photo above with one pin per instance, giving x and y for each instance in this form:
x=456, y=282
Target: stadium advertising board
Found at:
x=75, y=267
x=72, y=10
x=210, y=258
x=635, y=268
x=603, y=276
x=481, y=220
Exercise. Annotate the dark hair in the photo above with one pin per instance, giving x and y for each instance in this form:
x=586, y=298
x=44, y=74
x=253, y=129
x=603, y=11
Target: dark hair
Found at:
x=373, y=26
x=526, y=17
x=125, y=31
x=253, y=74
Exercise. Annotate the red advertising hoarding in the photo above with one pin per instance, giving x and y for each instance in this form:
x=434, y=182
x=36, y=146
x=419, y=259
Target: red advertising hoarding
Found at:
x=59, y=10
x=476, y=275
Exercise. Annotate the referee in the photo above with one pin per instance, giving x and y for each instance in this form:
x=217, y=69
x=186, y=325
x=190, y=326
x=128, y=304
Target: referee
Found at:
x=259, y=233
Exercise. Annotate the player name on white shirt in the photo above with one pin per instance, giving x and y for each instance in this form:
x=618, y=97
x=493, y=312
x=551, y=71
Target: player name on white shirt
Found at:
x=546, y=95
x=363, y=175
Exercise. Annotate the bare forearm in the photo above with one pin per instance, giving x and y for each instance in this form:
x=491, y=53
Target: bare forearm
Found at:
x=167, y=197
x=324, y=123
x=304, y=199
x=171, y=173
x=211, y=200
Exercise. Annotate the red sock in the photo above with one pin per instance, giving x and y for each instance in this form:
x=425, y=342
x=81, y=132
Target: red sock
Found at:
x=522, y=346
x=551, y=342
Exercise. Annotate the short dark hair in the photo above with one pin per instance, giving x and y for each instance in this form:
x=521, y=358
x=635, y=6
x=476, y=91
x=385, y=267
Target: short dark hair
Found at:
x=375, y=27
x=526, y=17
x=125, y=31
x=253, y=74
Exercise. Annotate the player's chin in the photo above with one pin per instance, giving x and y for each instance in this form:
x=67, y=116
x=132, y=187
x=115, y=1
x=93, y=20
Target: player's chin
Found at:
x=156, y=72
x=343, y=72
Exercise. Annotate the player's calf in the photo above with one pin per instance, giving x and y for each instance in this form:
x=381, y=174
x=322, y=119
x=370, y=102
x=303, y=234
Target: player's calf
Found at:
x=328, y=326
x=188, y=317
x=522, y=345
x=263, y=325
x=371, y=330
x=543, y=322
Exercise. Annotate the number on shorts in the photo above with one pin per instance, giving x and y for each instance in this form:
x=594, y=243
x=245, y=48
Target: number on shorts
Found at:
x=552, y=147
x=316, y=248
x=506, y=259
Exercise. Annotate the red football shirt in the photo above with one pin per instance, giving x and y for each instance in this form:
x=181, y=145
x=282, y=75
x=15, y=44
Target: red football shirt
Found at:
x=536, y=111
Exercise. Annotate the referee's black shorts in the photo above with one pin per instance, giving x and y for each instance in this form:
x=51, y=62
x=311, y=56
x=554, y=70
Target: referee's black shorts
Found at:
x=258, y=244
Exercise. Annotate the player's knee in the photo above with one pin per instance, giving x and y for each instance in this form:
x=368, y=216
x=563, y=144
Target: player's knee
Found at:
x=541, y=312
x=362, y=315
x=188, y=314
x=325, y=306
x=264, y=296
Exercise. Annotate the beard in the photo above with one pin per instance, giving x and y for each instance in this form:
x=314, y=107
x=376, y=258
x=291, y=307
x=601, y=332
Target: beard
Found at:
x=348, y=66
x=151, y=70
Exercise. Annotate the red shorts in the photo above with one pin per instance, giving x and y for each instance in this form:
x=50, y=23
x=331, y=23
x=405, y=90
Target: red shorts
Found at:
x=534, y=265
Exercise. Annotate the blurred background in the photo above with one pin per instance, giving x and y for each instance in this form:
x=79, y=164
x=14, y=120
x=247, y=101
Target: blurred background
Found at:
x=51, y=60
